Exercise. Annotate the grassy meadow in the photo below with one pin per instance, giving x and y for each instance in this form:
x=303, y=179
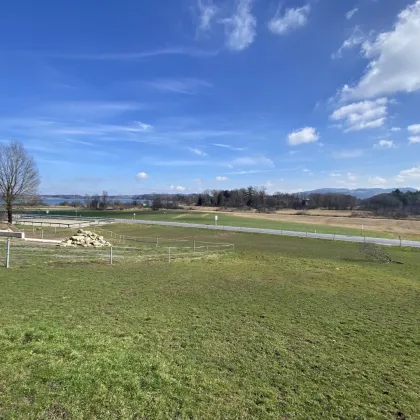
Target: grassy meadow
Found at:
x=224, y=219
x=284, y=328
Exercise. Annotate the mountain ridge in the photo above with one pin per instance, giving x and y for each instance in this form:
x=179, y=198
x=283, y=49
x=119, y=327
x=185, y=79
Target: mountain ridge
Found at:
x=358, y=192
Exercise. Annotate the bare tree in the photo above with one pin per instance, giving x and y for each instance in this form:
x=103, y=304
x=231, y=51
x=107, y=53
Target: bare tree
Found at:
x=19, y=177
x=104, y=200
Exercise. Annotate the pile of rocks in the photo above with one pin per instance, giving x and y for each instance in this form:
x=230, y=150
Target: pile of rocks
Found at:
x=86, y=239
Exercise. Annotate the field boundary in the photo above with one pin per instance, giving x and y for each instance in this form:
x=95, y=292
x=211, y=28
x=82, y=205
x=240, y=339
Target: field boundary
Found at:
x=300, y=234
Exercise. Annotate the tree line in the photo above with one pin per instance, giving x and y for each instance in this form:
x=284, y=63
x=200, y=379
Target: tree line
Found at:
x=395, y=204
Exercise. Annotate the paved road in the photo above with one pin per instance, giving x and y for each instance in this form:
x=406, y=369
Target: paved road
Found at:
x=345, y=238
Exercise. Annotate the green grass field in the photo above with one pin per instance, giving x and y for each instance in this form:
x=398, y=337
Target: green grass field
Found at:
x=285, y=328
x=224, y=220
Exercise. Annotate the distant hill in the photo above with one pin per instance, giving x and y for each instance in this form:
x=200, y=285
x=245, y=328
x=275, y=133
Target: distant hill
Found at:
x=359, y=192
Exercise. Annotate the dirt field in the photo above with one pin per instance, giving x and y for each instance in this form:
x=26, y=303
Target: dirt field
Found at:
x=334, y=218
x=396, y=227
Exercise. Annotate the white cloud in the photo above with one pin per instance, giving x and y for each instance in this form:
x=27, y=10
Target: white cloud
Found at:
x=280, y=24
x=348, y=180
x=192, y=52
x=409, y=174
x=139, y=126
x=414, y=129
x=302, y=136
x=385, y=144
x=240, y=28
x=362, y=115
x=414, y=139
x=377, y=180
x=197, y=151
x=142, y=175
x=348, y=154
x=253, y=161
x=248, y=172
x=207, y=13
x=186, y=86
x=227, y=146
x=395, y=59
x=395, y=129
x=334, y=175
x=222, y=178
x=356, y=38
x=178, y=188
x=351, y=13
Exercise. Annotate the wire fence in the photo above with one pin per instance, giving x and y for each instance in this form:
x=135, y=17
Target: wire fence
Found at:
x=397, y=240
x=122, y=248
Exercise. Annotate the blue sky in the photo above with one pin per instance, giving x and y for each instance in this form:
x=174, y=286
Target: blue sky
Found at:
x=186, y=95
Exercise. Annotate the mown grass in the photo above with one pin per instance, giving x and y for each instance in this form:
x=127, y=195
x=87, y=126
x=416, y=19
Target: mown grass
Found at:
x=283, y=328
x=223, y=220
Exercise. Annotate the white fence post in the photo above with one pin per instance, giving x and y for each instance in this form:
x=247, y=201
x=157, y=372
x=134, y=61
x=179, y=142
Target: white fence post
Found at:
x=169, y=254
x=194, y=245
x=42, y=233
x=8, y=253
x=157, y=242
x=110, y=255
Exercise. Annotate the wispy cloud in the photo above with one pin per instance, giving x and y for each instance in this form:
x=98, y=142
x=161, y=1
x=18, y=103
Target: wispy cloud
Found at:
x=356, y=38
x=186, y=86
x=227, y=146
x=90, y=109
x=348, y=154
x=222, y=178
x=84, y=143
x=253, y=161
x=187, y=51
x=248, y=172
x=291, y=19
x=180, y=162
x=385, y=144
x=240, y=28
x=178, y=188
x=351, y=13
x=208, y=10
x=197, y=151
x=377, y=180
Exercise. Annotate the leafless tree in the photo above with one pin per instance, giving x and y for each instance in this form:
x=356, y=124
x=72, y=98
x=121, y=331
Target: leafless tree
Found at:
x=19, y=177
x=104, y=200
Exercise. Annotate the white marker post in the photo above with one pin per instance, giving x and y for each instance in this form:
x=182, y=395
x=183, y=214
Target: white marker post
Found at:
x=134, y=216
x=215, y=219
x=362, y=230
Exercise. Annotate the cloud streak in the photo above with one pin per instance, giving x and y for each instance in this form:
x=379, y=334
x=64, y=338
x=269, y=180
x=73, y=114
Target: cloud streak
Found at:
x=128, y=56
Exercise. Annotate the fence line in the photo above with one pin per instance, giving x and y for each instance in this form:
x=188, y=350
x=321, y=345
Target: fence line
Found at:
x=313, y=235
x=19, y=252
